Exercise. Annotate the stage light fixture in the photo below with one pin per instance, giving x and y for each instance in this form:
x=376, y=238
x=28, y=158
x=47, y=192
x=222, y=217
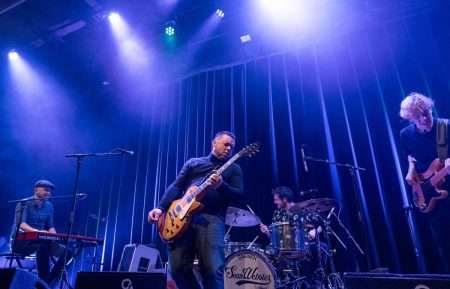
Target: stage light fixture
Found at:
x=13, y=55
x=114, y=17
x=220, y=13
x=169, y=28
x=170, y=31
x=246, y=38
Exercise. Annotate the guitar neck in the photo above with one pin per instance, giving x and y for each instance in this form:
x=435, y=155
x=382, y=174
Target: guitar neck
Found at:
x=219, y=171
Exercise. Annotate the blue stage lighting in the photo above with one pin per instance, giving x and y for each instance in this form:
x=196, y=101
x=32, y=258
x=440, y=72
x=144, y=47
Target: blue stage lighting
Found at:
x=114, y=18
x=220, y=13
x=169, y=28
x=170, y=31
x=13, y=55
x=246, y=38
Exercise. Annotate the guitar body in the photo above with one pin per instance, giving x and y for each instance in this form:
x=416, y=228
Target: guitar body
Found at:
x=171, y=225
x=430, y=192
x=176, y=219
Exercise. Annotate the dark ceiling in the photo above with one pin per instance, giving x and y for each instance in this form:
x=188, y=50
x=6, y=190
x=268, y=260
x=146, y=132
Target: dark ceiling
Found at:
x=61, y=30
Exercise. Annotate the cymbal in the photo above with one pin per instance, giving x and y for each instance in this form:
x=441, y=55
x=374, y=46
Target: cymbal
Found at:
x=320, y=205
x=237, y=217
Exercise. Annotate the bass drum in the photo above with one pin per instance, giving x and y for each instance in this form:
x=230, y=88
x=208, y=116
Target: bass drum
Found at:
x=247, y=269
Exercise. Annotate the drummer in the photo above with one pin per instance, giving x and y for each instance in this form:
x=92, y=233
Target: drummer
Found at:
x=283, y=198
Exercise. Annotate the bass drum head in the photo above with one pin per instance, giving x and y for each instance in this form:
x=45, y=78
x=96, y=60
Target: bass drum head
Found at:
x=231, y=247
x=248, y=270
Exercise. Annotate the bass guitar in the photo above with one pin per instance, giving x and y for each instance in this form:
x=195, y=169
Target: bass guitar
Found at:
x=429, y=192
x=176, y=219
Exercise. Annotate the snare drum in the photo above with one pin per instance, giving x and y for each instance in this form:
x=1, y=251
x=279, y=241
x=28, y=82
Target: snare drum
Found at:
x=248, y=270
x=288, y=239
x=231, y=247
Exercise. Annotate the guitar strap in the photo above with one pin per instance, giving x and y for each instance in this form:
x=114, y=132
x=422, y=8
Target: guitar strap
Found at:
x=442, y=138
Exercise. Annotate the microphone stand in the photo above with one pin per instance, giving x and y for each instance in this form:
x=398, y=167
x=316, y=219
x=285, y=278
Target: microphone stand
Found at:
x=352, y=170
x=338, y=164
x=79, y=157
x=349, y=235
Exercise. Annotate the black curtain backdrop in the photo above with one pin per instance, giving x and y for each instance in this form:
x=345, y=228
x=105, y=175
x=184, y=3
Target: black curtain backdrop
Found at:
x=339, y=98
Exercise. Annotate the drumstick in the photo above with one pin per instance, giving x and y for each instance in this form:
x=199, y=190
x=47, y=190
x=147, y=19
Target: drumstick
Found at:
x=252, y=242
x=331, y=212
x=253, y=212
x=250, y=209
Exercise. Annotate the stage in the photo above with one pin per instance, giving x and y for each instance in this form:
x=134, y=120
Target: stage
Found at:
x=124, y=106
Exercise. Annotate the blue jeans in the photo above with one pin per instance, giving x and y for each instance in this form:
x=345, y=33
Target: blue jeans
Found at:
x=204, y=239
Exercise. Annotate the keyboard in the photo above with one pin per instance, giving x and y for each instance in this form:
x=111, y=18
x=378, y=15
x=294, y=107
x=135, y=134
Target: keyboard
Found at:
x=60, y=238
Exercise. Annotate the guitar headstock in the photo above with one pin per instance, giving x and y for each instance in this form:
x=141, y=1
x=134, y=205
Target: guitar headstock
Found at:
x=250, y=150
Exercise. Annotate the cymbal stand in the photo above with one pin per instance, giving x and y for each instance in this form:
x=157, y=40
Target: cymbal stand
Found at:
x=320, y=270
x=226, y=238
x=349, y=235
x=294, y=284
x=333, y=279
x=329, y=231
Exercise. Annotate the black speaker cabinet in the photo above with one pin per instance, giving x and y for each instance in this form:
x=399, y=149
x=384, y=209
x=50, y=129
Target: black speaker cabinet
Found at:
x=395, y=281
x=19, y=279
x=120, y=280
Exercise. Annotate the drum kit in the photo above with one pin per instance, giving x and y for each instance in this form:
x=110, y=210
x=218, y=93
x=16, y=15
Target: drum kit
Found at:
x=294, y=259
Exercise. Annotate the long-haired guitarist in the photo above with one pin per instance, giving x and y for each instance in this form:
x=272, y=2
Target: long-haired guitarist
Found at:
x=204, y=237
x=425, y=142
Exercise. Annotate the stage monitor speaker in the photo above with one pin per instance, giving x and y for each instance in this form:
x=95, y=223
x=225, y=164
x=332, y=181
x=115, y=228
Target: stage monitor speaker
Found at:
x=120, y=280
x=19, y=279
x=139, y=258
x=395, y=281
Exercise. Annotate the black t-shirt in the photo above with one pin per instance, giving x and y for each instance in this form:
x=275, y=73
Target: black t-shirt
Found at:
x=421, y=146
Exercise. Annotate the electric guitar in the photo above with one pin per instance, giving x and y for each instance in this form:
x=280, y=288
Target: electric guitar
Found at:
x=429, y=192
x=177, y=218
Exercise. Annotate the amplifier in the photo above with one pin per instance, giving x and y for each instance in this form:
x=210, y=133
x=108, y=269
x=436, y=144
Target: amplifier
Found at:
x=120, y=280
x=396, y=281
x=139, y=258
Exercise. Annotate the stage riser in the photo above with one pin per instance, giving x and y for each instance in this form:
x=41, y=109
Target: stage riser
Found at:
x=120, y=280
x=395, y=281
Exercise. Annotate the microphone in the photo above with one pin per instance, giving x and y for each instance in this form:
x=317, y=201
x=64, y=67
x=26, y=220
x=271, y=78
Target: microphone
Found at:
x=82, y=196
x=307, y=192
x=128, y=152
x=305, y=163
x=32, y=198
